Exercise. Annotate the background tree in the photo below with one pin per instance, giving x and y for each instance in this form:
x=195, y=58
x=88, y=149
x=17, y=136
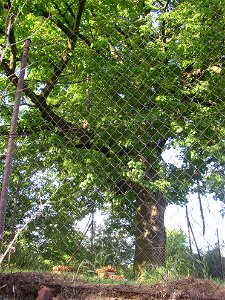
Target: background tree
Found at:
x=109, y=87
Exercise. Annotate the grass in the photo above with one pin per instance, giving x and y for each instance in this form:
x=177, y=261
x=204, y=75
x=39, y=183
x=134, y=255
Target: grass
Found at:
x=146, y=277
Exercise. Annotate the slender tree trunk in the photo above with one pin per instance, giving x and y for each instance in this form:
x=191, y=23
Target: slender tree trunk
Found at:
x=10, y=147
x=92, y=236
x=150, y=244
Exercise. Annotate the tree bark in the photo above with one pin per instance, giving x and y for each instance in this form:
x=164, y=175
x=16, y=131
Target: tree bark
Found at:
x=150, y=242
x=150, y=234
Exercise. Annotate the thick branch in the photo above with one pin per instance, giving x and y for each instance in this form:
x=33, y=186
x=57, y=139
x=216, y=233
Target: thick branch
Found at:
x=64, y=62
x=53, y=80
x=66, y=129
x=68, y=32
x=82, y=134
x=63, y=27
x=79, y=15
x=14, y=79
x=60, y=13
x=69, y=9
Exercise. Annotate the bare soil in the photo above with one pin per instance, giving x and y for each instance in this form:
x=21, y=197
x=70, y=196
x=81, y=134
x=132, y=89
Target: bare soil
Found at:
x=25, y=286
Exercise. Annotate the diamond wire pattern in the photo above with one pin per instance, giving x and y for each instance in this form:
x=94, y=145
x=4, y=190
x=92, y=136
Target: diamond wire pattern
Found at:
x=89, y=157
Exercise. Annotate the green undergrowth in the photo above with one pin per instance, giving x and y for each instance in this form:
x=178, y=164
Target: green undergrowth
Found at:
x=146, y=277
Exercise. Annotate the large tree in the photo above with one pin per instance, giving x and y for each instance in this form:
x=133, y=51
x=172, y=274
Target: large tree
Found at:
x=109, y=86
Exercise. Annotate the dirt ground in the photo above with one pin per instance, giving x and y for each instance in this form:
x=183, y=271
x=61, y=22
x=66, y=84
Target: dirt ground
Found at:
x=24, y=286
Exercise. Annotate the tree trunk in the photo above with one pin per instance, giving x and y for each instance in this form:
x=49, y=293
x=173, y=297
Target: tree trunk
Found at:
x=150, y=243
x=150, y=236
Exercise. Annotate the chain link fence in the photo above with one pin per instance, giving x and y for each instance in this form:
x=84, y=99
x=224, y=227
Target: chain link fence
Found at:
x=118, y=165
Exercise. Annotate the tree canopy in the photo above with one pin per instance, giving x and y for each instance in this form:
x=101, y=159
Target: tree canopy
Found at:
x=109, y=86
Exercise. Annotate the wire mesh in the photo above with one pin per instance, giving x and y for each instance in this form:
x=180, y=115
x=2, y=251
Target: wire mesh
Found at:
x=118, y=169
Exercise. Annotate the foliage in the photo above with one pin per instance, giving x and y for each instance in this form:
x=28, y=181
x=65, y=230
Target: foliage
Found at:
x=109, y=86
x=114, y=245
x=179, y=259
x=215, y=263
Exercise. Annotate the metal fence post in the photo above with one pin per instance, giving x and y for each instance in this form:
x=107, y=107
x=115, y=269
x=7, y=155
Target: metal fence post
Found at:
x=12, y=135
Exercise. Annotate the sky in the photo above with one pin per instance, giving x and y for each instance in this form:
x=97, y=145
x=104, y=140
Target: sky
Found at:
x=175, y=216
x=175, y=219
